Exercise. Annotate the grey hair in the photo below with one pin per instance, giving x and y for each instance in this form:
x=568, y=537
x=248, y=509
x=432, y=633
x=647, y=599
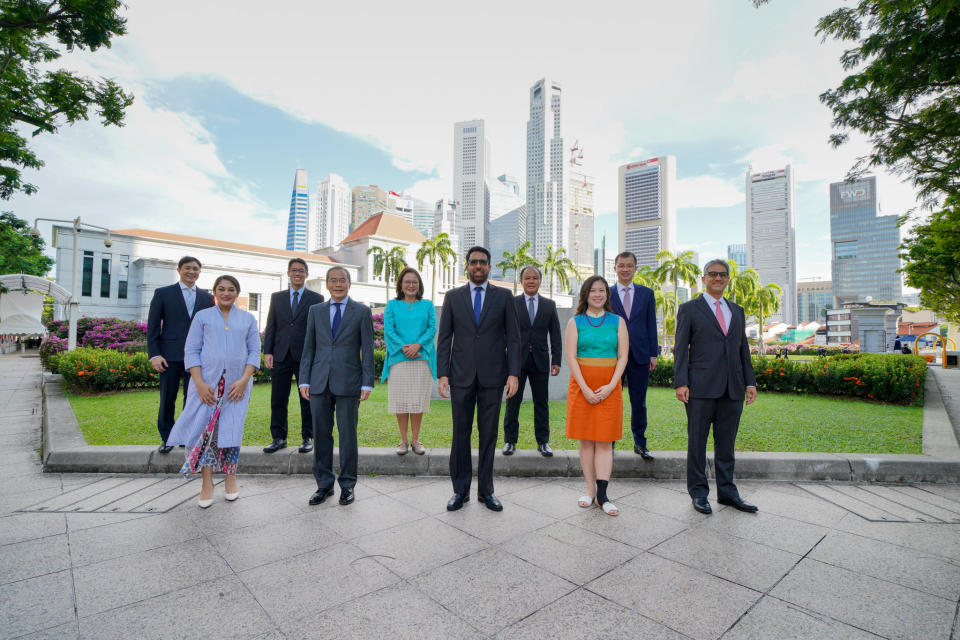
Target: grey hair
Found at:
x=707, y=266
x=530, y=266
x=345, y=272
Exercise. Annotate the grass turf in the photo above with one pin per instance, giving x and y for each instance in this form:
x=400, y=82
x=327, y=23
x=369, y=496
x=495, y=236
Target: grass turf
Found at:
x=775, y=422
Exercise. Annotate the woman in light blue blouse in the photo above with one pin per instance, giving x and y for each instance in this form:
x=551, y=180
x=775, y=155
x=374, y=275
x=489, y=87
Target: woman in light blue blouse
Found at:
x=409, y=326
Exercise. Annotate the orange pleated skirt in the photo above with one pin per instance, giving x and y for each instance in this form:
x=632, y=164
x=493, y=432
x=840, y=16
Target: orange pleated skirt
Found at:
x=601, y=422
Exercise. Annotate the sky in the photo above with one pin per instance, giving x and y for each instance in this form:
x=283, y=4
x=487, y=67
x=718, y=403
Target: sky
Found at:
x=231, y=99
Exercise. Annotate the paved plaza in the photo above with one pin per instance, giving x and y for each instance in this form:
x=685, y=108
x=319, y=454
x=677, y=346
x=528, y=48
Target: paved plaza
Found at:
x=131, y=556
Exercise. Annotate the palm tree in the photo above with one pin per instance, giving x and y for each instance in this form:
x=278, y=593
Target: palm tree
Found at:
x=647, y=276
x=668, y=310
x=517, y=261
x=556, y=263
x=765, y=303
x=676, y=269
x=388, y=263
x=743, y=284
x=435, y=250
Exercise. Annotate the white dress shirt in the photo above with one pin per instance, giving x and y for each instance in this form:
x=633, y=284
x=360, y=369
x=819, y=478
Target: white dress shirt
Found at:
x=483, y=292
x=536, y=303
x=724, y=308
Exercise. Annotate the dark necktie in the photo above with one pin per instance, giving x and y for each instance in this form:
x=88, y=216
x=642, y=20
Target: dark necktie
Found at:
x=336, y=320
x=531, y=310
x=296, y=300
x=476, y=304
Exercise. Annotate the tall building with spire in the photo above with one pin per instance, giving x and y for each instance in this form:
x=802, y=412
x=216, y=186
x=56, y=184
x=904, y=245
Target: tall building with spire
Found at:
x=298, y=222
x=772, y=236
x=547, y=220
x=330, y=222
x=471, y=166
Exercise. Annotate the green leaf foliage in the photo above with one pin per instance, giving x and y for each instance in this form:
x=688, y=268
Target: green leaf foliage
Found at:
x=21, y=252
x=931, y=260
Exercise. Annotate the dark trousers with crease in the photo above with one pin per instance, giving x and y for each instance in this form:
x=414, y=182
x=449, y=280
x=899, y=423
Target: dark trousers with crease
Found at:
x=724, y=414
x=463, y=402
x=635, y=378
x=325, y=406
x=280, y=400
x=539, y=385
x=171, y=380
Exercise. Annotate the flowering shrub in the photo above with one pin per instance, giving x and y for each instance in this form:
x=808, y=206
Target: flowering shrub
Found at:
x=127, y=336
x=872, y=376
x=378, y=341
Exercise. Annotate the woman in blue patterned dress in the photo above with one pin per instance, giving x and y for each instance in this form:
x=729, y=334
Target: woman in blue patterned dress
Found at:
x=221, y=353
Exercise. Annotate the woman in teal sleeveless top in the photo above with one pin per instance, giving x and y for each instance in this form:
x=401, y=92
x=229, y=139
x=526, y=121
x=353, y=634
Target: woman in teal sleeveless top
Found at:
x=597, y=345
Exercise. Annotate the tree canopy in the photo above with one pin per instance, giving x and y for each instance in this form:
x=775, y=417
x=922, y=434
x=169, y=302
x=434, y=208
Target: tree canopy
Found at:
x=38, y=99
x=21, y=252
x=931, y=257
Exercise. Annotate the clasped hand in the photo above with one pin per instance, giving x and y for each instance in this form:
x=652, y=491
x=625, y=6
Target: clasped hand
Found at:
x=412, y=351
x=595, y=396
x=234, y=394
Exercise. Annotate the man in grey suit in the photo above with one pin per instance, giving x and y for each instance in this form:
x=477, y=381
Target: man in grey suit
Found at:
x=712, y=374
x=478, y=356
x=336, y=375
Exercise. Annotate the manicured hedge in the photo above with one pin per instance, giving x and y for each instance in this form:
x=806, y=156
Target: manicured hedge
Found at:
x=885, y=377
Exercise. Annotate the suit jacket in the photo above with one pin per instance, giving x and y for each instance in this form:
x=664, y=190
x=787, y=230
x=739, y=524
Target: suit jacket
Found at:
x=285, y=331
x=345, y=363
x=642, y=323
x=710, y=363
x=489, y=352
x=533, y=338
x=168, y=321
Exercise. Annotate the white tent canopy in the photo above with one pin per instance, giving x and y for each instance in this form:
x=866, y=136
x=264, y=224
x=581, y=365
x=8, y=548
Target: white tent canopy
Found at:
x=22, y=305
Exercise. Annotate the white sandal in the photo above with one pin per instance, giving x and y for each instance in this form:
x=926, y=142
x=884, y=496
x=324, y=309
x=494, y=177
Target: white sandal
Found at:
x=585, y=502
x=609, y=508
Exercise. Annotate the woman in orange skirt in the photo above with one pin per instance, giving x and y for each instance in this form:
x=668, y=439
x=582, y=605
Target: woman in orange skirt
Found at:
x=597, y=345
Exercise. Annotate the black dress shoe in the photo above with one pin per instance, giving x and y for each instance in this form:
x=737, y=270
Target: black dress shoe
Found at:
x=275, y=446
x=491, y=501
x=165, y=448
x=457, y=501
x=320, y=496
x=307, y=445
x=346, y=496
x=545, y=450
x=643, y=452
x=509, y=448
x=702, y=505
x=738, y=503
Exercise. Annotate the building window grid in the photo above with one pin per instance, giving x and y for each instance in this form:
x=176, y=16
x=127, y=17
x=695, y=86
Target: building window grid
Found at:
x=105, y=263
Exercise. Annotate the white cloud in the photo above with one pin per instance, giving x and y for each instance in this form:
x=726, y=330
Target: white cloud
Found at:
x=706, y=191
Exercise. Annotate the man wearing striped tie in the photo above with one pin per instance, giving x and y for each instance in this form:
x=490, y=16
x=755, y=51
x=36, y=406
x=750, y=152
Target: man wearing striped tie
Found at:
x=171, y=312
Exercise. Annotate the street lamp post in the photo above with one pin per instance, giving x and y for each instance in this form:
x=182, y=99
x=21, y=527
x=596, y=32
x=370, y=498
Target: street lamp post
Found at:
x=74, y=288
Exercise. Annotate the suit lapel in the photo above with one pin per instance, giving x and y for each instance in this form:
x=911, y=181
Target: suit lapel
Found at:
x=485, y=308
x=520, y=302
x=708, y=311
x=346, y=314
x=182, y=304
x=323, y=311
x=635, y=300
x=466, y=297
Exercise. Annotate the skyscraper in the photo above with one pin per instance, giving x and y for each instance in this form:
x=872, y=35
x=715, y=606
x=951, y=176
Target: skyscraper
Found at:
x=366, y=202
x=471, y=165
x=331, y=220
x=547, y=221
x=738, y=253
x=580, y=192
x=423, y=217
x=297, y=224
x=647, y=212
x=865, y=245
x=507, y=216
x=771, y=235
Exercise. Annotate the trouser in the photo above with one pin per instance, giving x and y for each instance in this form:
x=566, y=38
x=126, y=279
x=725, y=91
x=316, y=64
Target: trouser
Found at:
x=280, y=400
x=724, y=414
x=325, y=406
x=636, y=378
x=539, y=384
x=463, y=401
x=171, y=380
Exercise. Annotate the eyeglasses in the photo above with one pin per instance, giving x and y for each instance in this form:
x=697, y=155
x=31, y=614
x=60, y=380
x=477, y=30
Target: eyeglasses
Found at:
x=336, y=280
x=717, y=274
x=298, y=271
x=480, y=261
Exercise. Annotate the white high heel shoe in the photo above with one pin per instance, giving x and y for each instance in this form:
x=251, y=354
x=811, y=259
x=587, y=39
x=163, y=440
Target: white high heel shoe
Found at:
x=204, y=504
x=230, y=497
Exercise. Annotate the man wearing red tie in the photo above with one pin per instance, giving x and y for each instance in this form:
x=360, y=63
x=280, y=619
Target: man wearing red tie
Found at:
x=712, y=374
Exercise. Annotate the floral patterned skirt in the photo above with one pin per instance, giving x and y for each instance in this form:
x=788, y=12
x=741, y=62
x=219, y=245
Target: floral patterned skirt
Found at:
x=206, y=453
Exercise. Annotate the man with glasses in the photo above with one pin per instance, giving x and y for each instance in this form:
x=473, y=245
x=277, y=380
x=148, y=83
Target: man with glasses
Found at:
x=712, y=375
x=478, y=357
x=282, y=348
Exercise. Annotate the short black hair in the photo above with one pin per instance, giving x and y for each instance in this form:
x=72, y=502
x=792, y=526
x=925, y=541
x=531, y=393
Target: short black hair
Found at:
x=625, y=255
x=229, y=279
x=185, y=259
x=477, y=248
x=338, y=268
x=301, y=261
x=531, y=266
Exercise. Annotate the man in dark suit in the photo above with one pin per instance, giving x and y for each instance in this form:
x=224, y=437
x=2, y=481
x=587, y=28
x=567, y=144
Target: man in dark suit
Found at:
x=336, y=375
x=478, y=356
x=282, y=347
x=712, y=374
x=171, y=312
x=537, y=318
x=635, y=304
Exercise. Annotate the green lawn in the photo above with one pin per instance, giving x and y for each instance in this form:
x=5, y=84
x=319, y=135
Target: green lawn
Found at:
x=775, y=422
